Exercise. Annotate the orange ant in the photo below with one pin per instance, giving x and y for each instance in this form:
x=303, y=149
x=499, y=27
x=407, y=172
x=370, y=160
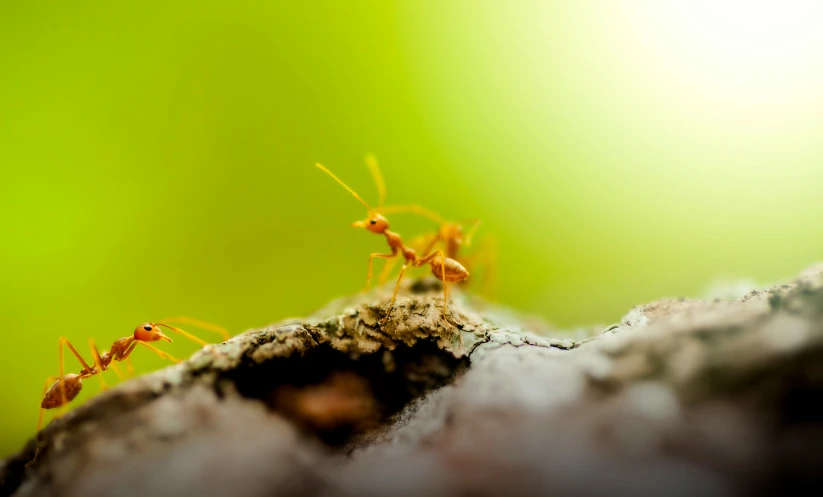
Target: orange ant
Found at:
x=443, y=268
x=452, y=237
x=68, y=386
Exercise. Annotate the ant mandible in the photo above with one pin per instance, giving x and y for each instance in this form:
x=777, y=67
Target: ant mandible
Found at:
x=443, y=268
x=68, y=386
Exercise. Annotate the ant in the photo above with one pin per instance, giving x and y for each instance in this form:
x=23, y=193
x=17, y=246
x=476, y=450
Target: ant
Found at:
x=443, y=268
x=67, y=386
x=453, y=238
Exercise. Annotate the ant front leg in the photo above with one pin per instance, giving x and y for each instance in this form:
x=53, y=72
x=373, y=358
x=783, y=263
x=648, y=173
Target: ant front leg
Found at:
x=371, y=260
x=158, y=352
x=387, y=269
x=417, y=241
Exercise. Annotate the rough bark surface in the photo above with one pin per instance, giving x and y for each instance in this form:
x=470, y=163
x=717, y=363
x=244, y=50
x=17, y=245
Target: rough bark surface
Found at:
x=682, y=397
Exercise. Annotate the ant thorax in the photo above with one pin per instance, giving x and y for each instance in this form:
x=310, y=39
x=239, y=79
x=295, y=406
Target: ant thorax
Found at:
x=105, y=359
x=410, y=254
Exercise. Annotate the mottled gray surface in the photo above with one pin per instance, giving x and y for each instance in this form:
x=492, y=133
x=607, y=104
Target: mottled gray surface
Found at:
x=682, y=398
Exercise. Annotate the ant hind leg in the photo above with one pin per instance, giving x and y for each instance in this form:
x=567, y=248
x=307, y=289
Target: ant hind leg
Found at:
x=430, y=260
x=445, y=296
x=445, y=286
x=448, y=324
x=65, y=341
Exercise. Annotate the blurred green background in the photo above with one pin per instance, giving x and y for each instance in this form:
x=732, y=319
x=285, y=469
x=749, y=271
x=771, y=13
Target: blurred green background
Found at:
x=158, y=159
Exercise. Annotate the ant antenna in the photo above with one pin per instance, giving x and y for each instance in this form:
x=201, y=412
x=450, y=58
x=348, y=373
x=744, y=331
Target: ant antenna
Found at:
x=371, y=161
x=415, y=209
x=346, y=187
x=184, y=333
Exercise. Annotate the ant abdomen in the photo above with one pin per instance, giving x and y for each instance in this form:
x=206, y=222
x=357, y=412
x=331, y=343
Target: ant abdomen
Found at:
x=72, y=384
x=454, y=271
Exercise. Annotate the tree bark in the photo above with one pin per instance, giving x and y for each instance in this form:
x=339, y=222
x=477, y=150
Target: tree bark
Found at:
x=682, y=397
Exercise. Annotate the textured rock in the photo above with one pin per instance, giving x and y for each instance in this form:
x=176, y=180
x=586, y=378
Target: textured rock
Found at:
x=682, y=397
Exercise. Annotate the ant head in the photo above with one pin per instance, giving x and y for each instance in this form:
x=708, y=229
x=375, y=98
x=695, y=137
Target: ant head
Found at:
x=149, y=332
x=375, y=223
x=451, y=231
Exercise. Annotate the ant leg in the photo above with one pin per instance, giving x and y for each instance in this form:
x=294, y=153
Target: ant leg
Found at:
x=427, y=260
x=371, y=259
x=445, y=285
x=129, y=366
x=432, y=244
x=64, y=340
x=415, y=242
x=445, y=294
x=422, y=262
x=127, y=353
x=159, y=352
x=394, y=295
x=449, y=325
x=98, y=364
x=384, y=275
x=117, y=371
x=86, y=367
x=201, y=324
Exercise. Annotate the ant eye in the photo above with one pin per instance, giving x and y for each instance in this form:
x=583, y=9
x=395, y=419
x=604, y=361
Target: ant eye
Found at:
x=373, y=221
x=147, y=328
